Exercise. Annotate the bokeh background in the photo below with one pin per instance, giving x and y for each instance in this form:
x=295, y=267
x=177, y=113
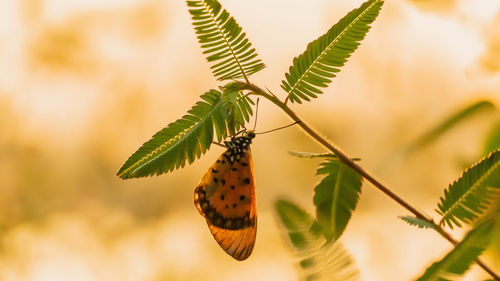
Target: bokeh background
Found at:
x=85, y=82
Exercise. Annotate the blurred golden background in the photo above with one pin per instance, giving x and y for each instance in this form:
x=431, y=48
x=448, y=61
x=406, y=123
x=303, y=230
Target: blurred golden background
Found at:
x=85, y=82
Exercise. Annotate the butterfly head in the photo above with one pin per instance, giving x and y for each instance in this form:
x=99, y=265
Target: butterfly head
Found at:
x=249, y=134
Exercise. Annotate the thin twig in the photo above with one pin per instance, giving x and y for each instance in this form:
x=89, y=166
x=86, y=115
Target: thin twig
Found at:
x=269, y=91
x=347, y=161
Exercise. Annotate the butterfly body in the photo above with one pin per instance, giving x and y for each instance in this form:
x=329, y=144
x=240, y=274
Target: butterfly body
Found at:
x=225, y=197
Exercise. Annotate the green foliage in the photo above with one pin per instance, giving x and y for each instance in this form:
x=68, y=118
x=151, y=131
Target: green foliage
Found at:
x=223, y=113
x=469, y=196
x=458, y=261
x=450, y=122
x=336, y=197
x=323, y=57
x=492, y=141
x=302, y=154
x=298, y=223
x=420, y=223
x=223, y=40
x=238, y=110
x=191, y=136
x=318, y=259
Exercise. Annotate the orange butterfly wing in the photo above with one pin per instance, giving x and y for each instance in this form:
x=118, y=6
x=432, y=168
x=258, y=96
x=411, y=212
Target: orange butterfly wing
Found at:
x=225, y=196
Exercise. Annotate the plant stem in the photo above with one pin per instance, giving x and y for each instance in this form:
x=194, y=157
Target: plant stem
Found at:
x=347, y=161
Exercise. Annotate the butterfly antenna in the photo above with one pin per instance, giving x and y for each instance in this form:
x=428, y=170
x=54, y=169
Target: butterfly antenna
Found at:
x=289, y=125
x=256, y=113
x=241, y=131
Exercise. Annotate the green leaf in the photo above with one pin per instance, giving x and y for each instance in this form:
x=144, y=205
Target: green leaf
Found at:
x=492, y=141
x=311, y=154
x=189, y=137
x=336, y=197
x=315, y=68
x=238, y=109
x=450, y=122
x=318, y=259
x=302, y=154
x=420, y=223
x=469, y=196
x=458, y=261
x=298, y=223
x=223, y=40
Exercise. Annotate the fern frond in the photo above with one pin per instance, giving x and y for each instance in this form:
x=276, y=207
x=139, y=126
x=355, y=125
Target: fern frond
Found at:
x=469, y=196
x=336, y=197
x=458, y=261
x=318, y=259
x=189, y=137
x=420, y=223
x=298, y=224
x=238, y=110
x=224, y=41
x=318, y=64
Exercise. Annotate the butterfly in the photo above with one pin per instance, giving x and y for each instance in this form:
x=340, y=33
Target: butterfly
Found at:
x=225, y=197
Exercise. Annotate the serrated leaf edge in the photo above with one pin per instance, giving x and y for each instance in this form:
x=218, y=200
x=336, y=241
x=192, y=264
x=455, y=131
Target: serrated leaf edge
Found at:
x=449, y=213
x=298, y=82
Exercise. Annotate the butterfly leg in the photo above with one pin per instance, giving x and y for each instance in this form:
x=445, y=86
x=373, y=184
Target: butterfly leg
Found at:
x=219, y=144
